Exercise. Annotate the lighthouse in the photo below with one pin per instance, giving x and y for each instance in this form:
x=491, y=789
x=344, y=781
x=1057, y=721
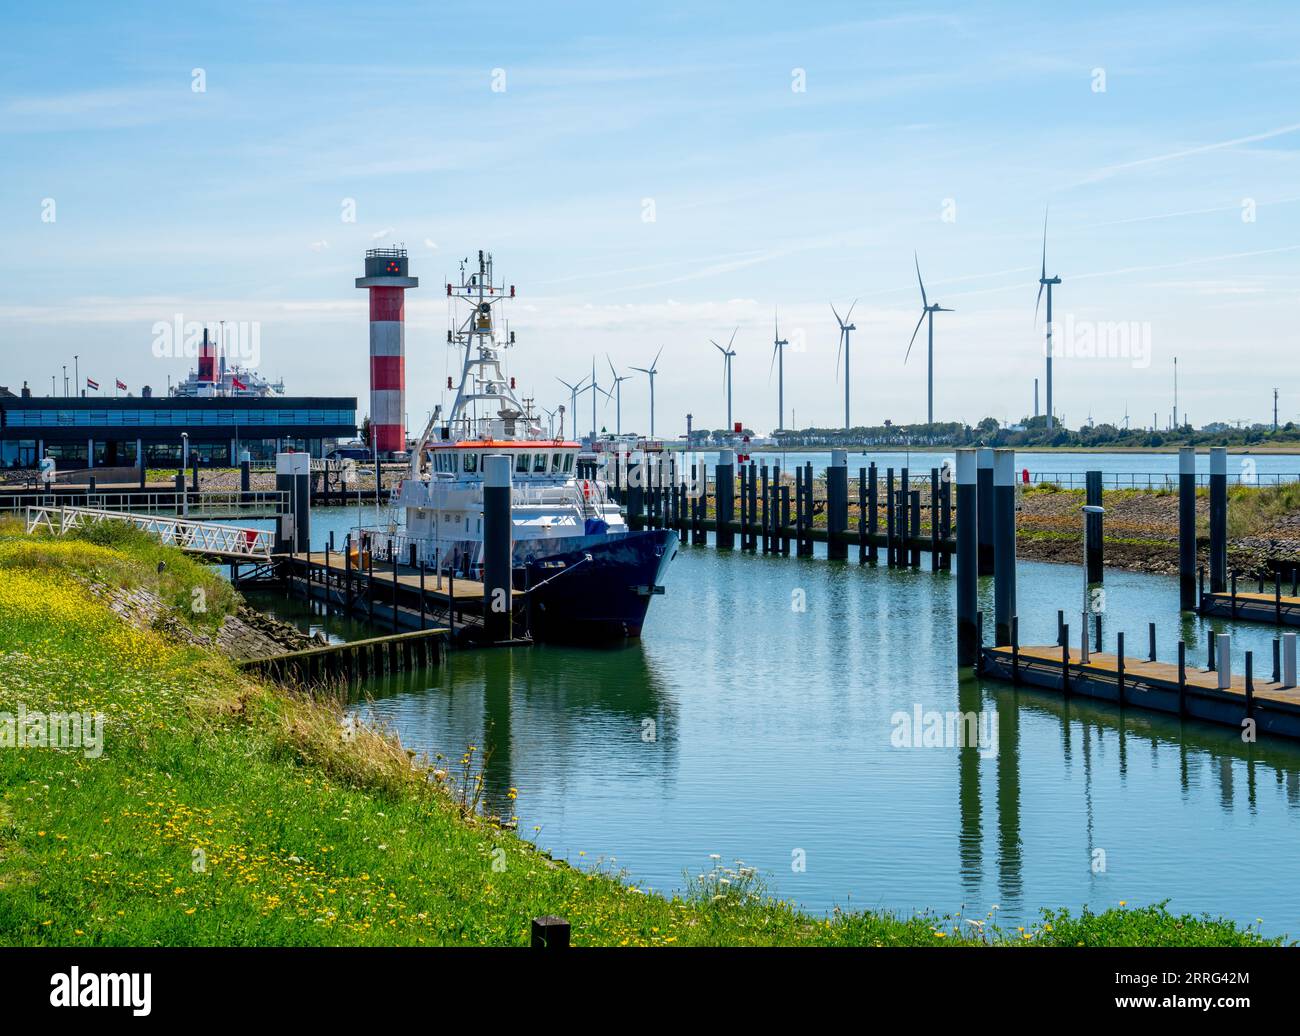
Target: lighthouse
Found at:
x=387, y=280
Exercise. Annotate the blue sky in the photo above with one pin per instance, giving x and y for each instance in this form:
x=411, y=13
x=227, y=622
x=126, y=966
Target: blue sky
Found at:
x=1174, y=195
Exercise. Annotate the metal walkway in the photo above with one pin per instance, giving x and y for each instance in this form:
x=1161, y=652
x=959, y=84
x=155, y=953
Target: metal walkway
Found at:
x=229, y=542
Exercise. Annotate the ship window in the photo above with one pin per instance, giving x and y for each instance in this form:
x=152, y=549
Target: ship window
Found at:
x=555, y=463
x=568, y=463
x=521, y=464
x=471, y=462
x=539, y=463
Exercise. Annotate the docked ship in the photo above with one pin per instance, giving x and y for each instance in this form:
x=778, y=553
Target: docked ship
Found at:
x=588, y=576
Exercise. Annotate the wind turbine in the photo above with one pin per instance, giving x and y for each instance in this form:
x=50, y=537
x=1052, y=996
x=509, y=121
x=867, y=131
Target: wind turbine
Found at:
x=594, y=389
x=845, y=328
x=778, y=357
x=1047, y=282
x=550, y=417
x=618, y=395
x=652, y=370
x=928, y=310
x=574, y=391
x=727, y=354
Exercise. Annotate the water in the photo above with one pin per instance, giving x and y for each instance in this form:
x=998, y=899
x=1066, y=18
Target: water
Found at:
x=741, y=726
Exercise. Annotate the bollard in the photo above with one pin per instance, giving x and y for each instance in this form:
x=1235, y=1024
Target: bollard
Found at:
x=967, y=560
x=1094, y=520
x=862, y=516
x=550, y=933
x=985, y=518
x=497, y=547
x=1182, y=678
x=914, y=530
x=1223, y=648
x=1209, y=653
x=1151, y=634
x=1218, y=519
x=837, y=505
x=1288, y=659
x=245, y=476
x=1004, y=544
x=1187, y=599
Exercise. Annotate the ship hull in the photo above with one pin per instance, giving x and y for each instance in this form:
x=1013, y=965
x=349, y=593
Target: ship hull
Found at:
x=598, y=591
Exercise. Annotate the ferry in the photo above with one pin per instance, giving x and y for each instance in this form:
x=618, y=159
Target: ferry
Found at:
x=588, y=576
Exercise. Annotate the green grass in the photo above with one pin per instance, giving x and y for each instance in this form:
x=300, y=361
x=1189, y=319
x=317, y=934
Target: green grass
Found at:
x=228, y=811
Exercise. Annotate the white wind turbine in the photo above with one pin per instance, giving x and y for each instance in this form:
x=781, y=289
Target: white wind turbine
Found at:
x=651, y=371
x=778, y=358
x=727, y=355
x=928, y=310
x=845, y=329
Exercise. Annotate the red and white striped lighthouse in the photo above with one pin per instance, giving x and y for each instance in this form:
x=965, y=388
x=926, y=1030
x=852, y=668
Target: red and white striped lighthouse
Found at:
x=386, y=279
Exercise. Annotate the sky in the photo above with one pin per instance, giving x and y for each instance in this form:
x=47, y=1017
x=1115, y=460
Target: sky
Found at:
x=662, y=175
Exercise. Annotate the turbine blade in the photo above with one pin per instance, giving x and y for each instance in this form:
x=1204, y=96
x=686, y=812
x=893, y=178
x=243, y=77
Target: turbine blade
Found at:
x=837, y=316
x=849, y=314
x=839, y=349
x=1044, y=242
x=656, y=359
x=611, y=366
x=772, y=366
x=914, y=333
x=1039, y=302
x=924, y=300
x=732, y=339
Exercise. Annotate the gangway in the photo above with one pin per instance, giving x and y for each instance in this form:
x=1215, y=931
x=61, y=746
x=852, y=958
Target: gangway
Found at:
x=228, y=542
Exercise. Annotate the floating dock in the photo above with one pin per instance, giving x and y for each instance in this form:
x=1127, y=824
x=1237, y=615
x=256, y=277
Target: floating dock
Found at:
x=1180, y=690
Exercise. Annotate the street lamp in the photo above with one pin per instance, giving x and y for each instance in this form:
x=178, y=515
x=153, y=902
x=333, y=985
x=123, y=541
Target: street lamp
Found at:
x=1088, y=509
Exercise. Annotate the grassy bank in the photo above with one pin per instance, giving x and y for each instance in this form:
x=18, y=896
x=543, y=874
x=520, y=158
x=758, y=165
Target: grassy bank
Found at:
x=224, y=810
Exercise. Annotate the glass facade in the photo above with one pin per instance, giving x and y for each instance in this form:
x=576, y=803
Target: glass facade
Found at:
x=195, y=418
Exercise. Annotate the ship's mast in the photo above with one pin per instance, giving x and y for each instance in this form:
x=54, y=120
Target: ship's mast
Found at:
x=486, y=405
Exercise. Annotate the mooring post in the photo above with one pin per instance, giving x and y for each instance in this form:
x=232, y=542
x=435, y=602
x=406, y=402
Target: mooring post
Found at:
x=766, y=513
x=741, y=476
x=1119, y=671
x=914, y=530
x=497, y=547
x=945, y=516
x=293, y=476
x=1250, y=683
x=890, y=553
x=935, y=560
x=370, y=583
x=725, y=499
x=245, y=476
x=967, y=560
x=1096, y=627
x=785, y=517
x=1187, y=529
x=873, y=492
x=1209, y=652
x=1288, y=660
x=1182, y=677
x=753, y=506
x=1277, y=660
x=1232, y=604
x=979, y=642
x=986, y=518
x=837, y=506
x=862, y=516
x=1065, y=655
x=809, y=509
x=1060, y=626
x=392, y=560
x=1277, y=598
x=1094, y=520
x=1015, y=649
x=1151, y=635
x=1004, y=544
x=347, y=571
x=550, y=933
x=1223, y=648
x=1218, y=518
x=423, y=608
x=901, y=513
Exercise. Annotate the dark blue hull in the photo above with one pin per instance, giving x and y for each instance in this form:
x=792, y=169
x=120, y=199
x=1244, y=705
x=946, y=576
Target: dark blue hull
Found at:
x=600, y=591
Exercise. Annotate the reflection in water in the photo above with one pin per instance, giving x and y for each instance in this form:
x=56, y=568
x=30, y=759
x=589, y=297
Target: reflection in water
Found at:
x=741, y=727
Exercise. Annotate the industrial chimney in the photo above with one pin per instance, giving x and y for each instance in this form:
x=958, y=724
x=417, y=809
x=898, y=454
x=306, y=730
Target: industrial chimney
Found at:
x=387, y=280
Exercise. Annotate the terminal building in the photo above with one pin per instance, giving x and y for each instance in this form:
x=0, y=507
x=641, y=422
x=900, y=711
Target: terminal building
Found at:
x=86, y=432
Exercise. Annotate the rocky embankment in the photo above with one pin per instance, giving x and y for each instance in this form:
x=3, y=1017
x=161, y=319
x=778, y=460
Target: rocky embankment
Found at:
x=246, y=634
x=1141, y=533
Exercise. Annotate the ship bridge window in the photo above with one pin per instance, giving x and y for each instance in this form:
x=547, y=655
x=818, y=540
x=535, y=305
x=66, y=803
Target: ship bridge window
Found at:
x=539, y=464
x=521, y=464
x=555, y=463
x=568, y=463
x=471, y=462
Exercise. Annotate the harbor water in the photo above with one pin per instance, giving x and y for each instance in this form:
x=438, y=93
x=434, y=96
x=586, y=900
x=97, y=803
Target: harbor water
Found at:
x=760, y=718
